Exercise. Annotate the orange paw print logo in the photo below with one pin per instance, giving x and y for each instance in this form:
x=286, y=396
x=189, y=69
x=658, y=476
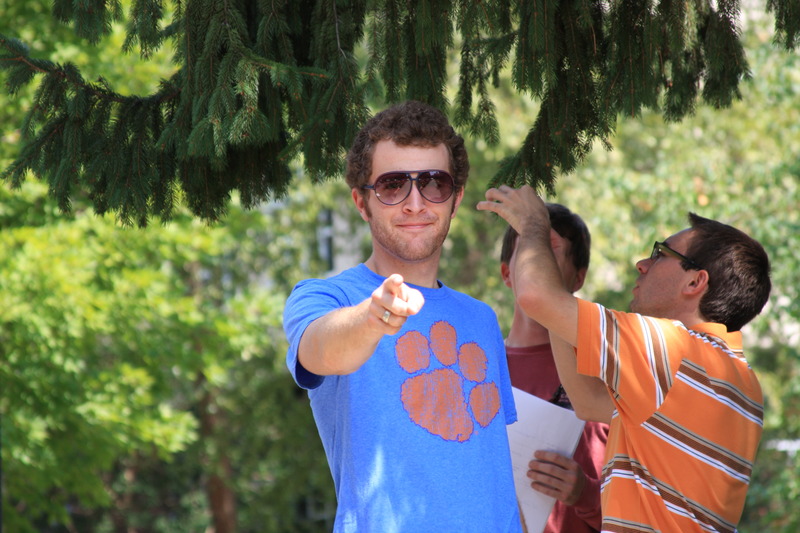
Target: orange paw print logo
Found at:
x=436, y=399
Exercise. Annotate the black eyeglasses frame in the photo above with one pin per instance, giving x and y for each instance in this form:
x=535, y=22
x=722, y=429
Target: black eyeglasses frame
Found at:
x=661, y=247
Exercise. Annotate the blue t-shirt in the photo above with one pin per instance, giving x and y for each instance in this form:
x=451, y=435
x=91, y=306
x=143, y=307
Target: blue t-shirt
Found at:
x=416, y=438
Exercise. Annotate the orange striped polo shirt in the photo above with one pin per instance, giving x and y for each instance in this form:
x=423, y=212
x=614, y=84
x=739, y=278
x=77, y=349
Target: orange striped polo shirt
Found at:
x=688, y=420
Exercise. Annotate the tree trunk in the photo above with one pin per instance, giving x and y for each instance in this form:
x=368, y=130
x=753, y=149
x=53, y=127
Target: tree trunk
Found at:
x=221, y=497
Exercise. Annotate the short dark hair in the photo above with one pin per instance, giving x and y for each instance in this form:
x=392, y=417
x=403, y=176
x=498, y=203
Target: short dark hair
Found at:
x=409, y=123
x=567, y=224
x=738, y=272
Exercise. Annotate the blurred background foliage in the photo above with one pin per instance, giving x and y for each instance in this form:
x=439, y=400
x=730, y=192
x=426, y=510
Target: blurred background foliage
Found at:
x=143, y=369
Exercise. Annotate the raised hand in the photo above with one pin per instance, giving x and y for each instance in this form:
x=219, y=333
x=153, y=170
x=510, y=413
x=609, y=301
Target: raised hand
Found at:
x=522, y=208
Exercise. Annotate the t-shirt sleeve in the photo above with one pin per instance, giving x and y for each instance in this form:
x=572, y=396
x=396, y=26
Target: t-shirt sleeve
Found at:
x=509, y=407
x=309, y=300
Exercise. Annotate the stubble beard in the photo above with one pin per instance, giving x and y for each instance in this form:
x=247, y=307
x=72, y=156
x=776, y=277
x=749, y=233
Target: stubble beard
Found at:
x=641, y=306
x=415, y=250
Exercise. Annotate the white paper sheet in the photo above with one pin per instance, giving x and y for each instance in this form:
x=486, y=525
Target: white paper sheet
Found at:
x=540, y=425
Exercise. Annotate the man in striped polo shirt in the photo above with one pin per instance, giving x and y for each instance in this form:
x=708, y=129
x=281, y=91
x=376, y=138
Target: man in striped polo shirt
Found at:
x=685, y=408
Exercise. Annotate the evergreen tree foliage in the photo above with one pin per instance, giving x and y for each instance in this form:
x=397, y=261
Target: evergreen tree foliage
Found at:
x=120, y=344
x=259, y=84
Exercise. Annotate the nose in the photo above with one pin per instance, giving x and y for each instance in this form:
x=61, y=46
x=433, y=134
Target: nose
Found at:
x=414, y=202
x=642, y=265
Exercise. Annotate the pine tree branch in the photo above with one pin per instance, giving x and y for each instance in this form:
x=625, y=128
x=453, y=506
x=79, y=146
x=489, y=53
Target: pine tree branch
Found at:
x=261, y=83
x=787, y=22
x=68, y=74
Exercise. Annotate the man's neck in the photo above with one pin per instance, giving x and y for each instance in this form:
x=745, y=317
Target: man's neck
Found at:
x=687, y=318
x=422, y=273
x=526, y=332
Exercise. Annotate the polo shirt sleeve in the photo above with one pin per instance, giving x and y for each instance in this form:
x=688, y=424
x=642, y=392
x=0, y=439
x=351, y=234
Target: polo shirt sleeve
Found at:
x=588, y=348
x=631, y=354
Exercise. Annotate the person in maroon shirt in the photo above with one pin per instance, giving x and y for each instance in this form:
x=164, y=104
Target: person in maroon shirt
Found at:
x=573, y=481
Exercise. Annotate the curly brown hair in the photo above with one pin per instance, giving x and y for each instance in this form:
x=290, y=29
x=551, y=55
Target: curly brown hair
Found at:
x=409, y=123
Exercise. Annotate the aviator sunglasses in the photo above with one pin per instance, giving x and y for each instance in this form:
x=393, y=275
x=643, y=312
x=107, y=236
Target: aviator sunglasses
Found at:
x=391, y=188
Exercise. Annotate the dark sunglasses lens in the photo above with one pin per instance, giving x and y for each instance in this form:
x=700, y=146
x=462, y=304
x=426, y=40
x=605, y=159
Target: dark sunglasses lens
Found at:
x=392, y=188
x=435, y=186
x=656, y=251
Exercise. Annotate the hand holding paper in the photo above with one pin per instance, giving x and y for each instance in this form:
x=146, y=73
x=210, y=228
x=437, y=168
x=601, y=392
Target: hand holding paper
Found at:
x=540, y=425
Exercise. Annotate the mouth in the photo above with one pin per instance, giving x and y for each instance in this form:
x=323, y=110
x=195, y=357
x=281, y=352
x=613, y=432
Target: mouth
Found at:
x=415, y=225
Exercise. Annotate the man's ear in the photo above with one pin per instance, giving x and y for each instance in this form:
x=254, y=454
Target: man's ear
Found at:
x=580, y=277
x=698, y=283
x=457, y=202
x=361, y=202
x=505, y=272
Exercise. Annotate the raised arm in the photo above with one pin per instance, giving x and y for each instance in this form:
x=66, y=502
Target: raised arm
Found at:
x=541, y=294
x=588, y=395
x=538, y=285
x=341, y=341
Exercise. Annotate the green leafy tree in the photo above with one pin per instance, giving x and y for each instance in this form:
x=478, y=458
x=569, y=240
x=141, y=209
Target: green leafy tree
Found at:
x=260, y=84
x=142, y=382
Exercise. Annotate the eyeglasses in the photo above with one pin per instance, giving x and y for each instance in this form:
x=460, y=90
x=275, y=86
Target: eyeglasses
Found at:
x=391, y=188
x=660, y=248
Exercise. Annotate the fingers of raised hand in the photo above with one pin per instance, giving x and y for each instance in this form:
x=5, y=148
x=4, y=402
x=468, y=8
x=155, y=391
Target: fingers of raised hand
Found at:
x=514, y=205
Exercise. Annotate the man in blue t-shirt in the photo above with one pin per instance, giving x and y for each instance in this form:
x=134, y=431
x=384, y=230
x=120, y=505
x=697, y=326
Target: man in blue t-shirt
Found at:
x=407, y=378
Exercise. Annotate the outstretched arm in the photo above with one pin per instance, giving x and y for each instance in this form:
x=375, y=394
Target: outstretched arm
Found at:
x=341, y=341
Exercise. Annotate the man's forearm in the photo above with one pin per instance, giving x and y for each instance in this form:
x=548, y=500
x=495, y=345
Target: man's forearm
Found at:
x=344, y=339
x=540, y=290
x=537, y=279
x=588, y=395
x=339, y=342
